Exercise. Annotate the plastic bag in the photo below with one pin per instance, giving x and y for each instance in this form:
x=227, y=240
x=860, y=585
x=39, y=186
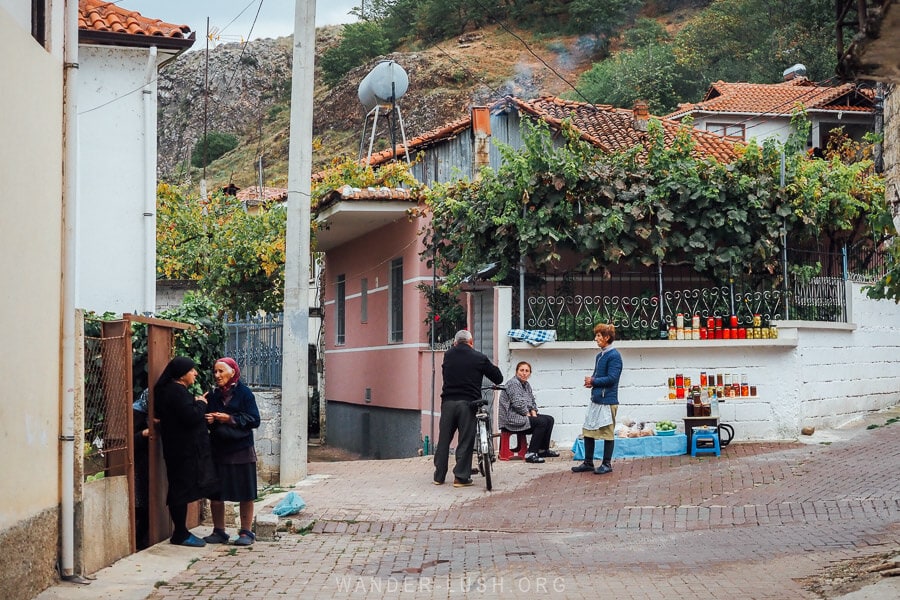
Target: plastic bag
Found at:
x=289, y=505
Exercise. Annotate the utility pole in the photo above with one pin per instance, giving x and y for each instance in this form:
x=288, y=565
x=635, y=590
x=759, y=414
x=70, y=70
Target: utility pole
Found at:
x=294, y=370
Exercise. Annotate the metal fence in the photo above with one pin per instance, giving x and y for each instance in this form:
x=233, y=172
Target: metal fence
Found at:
x=105, y=411
x=256, y=343
x=643, y=304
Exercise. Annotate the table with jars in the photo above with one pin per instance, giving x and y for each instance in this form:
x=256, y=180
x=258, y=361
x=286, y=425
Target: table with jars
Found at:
x=702, y=398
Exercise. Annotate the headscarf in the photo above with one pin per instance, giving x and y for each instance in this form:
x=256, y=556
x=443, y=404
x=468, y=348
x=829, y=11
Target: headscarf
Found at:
x=237, y=372
x=177, y=367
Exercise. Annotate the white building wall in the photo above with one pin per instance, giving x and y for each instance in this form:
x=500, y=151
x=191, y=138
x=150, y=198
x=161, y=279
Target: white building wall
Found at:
x=30, y=268
x=111, y=260
x=822, y=375
x=31, y=170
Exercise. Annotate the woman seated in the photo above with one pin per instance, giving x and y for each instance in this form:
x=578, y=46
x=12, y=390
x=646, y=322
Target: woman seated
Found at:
x=518, y=413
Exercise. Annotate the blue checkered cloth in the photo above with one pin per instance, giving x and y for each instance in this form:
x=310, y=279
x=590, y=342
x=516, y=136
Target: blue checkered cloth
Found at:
x=535, y=337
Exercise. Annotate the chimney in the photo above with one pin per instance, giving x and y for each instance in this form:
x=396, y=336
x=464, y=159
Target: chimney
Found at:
x=481, y=130
x=641, y=115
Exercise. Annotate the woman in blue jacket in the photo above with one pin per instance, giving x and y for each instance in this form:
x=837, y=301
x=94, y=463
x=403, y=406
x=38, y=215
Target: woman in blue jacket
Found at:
x=232, y=416
x=600, y=421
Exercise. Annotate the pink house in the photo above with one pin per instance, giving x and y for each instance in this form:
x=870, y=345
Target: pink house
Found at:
x=382, y=377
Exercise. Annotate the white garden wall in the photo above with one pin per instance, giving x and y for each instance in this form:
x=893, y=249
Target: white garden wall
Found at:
x=819, y=374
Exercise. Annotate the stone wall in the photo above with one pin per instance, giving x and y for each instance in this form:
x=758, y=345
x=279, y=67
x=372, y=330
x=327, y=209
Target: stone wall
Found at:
x=268, y=437
x=28, y=568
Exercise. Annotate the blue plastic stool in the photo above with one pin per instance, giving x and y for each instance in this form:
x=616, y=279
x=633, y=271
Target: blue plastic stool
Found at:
x=699, y=434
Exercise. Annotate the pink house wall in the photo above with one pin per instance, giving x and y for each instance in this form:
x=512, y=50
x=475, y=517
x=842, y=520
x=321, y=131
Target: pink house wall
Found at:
x=398, y=374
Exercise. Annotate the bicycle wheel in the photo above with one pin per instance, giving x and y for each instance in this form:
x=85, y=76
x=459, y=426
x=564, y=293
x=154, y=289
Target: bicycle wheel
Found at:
x=484, y=455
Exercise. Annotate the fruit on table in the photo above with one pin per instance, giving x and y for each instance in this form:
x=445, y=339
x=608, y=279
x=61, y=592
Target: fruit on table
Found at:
x=665, y=426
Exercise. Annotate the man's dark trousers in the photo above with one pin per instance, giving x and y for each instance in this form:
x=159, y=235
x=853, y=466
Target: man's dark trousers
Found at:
x=455, y=415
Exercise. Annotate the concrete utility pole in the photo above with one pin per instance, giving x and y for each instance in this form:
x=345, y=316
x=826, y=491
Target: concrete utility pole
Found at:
x=294, y=373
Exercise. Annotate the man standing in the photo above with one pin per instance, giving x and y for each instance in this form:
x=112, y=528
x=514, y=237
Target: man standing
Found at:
x=463, y=370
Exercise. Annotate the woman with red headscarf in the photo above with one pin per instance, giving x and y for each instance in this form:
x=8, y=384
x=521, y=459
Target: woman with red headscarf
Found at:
x=232, y=415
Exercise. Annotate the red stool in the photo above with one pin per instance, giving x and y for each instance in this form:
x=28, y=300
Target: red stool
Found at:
x=521, y=445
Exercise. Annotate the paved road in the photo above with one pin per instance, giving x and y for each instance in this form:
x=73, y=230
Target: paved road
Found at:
x=761, y=521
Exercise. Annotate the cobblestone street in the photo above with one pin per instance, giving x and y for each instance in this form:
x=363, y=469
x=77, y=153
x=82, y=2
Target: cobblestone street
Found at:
x=761, y=521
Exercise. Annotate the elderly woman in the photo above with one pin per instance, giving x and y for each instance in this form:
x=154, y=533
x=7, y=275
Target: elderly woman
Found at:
x=518, y=412
x=185, y=440
x=232, y=417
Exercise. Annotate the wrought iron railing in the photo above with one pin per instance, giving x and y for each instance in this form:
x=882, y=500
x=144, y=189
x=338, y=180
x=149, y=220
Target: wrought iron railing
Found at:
x=256, y=343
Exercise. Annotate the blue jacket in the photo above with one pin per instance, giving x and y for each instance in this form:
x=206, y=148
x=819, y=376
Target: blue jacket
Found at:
x=244, y=412
x=605, y=379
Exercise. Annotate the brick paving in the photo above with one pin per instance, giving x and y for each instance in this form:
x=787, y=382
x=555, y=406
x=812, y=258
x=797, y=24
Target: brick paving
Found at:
x=749, y=524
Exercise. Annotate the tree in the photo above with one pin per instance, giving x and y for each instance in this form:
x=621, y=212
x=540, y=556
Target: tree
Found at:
x=648, y=73
x=237, y=258
x=211, y=147
x=360, y=42
x=715, y=44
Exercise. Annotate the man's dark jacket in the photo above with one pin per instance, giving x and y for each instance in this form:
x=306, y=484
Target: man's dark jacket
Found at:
x=464, y=369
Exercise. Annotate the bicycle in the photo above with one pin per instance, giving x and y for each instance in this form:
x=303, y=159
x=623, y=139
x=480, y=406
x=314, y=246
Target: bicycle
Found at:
x=484, y=435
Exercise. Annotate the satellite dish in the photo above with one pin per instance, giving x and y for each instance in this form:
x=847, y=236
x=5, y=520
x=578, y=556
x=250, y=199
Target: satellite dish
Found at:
x=384, y=84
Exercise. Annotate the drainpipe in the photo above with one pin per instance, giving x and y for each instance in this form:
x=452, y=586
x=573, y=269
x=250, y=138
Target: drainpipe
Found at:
x=69, y=201
x=149, y=95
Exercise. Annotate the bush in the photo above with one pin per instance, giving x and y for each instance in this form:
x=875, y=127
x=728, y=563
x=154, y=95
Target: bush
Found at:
x=212, y=147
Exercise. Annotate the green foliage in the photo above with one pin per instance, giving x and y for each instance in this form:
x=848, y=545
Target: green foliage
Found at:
x=672, y=206
x=756, y=40
x=360, y=42
x=648, y=73
x=203, y=345
x=237, y=257
x=445, y=313
x=348, y=171
x=645, y=32
x=211, y=147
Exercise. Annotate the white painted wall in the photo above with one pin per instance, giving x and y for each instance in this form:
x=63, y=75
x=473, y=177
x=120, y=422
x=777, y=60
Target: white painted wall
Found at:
x=816, y=374
x=30, y=268
x=113, y=162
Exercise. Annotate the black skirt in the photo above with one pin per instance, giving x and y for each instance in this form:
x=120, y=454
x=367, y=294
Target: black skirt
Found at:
x=238, y=482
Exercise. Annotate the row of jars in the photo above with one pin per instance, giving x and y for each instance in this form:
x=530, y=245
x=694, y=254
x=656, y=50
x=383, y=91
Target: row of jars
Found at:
x=719, y=328
x=717, y=385
x=726, y=333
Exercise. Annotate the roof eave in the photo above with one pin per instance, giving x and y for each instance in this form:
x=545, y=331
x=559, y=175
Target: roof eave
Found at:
x=110, y=38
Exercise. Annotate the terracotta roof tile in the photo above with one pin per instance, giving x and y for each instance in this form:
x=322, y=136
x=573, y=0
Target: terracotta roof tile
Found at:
x=777, y=98
x=613, y=129
x=252, y=197
x=95, y=15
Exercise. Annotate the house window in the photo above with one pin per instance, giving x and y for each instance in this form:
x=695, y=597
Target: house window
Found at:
x=726, y=129
x=339, y=309
x=395, y=317
x=364, y=300
x=39, y=21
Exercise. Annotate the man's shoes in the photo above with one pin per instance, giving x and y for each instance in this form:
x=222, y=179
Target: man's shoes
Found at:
x=532, y=457
x=218, y=536
x=603, y=469
x=457, y=482
x=548, y=453
x=438, y=482
x=583, y=467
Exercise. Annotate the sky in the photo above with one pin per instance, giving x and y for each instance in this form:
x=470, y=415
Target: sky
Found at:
x=233, y=18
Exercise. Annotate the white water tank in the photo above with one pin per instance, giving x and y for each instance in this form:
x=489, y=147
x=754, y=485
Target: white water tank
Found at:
x=386, y=82
x=797, y=70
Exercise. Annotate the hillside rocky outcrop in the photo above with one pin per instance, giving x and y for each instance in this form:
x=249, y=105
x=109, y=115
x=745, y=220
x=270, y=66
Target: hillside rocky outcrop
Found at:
x=248, y=83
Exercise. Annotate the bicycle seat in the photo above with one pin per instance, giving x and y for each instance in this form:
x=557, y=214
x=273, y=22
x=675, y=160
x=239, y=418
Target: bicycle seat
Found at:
x=478, y=403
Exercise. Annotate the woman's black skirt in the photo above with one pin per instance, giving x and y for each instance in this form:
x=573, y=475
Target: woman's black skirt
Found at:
x=238, y=482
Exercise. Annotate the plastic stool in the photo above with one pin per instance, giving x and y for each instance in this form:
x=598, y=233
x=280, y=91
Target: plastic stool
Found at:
x=521, y=445
x=700, y=434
